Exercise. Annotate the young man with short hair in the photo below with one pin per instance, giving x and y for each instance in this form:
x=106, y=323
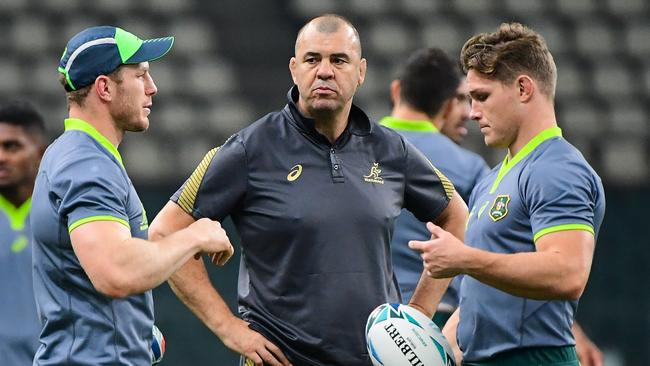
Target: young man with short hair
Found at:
x=534, y=219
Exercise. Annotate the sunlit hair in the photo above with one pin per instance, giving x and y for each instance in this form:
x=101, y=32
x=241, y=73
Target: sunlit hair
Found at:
x=512, y=50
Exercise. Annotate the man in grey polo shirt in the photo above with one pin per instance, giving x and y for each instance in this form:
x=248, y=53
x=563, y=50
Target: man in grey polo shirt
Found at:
x=22, y=143
x=534, y=219
x=93, y=267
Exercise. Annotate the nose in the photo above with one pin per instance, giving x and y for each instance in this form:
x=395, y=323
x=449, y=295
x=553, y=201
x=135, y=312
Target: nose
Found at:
x=150, y=86
x=475, y=112
x=325, y=70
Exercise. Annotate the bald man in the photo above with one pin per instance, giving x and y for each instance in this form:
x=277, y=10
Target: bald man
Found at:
x=314, y=190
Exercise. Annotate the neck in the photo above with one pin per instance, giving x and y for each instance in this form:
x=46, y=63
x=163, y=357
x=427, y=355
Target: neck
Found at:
x=101, y=121
x=542, y=118
x=402, y=111
x=329, y=124
x=17, y=195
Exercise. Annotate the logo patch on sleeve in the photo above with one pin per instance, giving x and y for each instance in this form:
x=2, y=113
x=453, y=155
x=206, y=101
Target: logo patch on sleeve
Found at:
x=499, y=208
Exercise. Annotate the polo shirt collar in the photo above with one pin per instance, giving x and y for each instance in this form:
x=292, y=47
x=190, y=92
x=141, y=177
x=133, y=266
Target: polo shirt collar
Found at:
x=509, y=162
x=358, y=122
x=408, y=125
x=16, y=215
x=75, y=124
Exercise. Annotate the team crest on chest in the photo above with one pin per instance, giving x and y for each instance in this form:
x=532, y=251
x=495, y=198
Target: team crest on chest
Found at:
x=499, y=208
x=374, y=177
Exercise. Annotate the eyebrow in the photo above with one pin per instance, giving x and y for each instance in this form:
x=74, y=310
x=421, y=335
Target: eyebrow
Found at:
x=475, y=92
x=342, y=55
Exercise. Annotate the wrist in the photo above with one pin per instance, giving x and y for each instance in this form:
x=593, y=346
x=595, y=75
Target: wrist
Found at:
x=427, y=313
x=223, y=325
x=471, y=261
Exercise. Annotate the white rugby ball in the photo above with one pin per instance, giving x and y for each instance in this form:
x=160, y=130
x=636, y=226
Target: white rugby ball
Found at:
x=399, y=335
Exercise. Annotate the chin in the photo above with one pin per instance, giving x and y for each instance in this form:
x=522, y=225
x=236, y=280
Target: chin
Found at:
x=139, y=127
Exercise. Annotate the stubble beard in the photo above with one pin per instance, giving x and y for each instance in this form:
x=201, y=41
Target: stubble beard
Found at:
x=127, y=116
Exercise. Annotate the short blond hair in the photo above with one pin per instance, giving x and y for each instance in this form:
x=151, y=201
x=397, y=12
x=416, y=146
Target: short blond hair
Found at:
x=512, y=50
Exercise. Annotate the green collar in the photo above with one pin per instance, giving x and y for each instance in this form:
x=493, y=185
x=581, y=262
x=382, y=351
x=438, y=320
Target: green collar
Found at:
x=72, y=124
x=16, y=215
x=525, y=151
x=408, y=125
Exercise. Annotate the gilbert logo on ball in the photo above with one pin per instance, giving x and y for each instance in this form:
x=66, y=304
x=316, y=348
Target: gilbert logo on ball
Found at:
x=399, y=335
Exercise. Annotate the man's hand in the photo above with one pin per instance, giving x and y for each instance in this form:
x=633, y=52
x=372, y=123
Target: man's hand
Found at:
x=238, y=337
x=442, y=255
x=588, y=353
x=212, y=239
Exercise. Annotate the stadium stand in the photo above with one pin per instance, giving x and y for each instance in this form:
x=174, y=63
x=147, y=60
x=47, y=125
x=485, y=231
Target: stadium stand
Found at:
x=229, y=67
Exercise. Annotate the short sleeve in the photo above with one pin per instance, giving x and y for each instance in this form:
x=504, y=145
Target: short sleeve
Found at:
x=93, y=188
x=561, y=194
x=217, y=184
x=427, y=190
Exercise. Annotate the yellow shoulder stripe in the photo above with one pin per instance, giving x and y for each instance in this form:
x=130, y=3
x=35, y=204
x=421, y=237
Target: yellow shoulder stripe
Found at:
x=446, y=183
x=191, y=188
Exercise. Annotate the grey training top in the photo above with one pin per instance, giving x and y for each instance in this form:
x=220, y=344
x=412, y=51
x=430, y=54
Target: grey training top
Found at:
x=19, y=324
x=547, y=187
x=82, y=179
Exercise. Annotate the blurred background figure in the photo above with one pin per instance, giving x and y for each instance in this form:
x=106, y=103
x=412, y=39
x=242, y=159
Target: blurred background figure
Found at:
x=22, y=143
x=223, y=74
x=425, y=98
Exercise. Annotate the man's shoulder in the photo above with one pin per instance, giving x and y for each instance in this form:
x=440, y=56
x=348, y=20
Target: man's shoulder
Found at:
x=76, y=153
x=558, y=154
x=386, y=134
x=263, y=125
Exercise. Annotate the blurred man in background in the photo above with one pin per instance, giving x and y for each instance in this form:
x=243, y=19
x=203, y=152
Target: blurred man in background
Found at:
x=426, y=97
x=22, y=143
x=531, y=232
x=313, y=190
x=93, y=267
x=456, y=119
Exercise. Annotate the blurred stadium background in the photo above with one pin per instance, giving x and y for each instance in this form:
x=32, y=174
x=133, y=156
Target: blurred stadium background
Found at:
x=229, y=67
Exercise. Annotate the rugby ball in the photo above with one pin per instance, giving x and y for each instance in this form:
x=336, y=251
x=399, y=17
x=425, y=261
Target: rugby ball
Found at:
x=399, y=335
x=157, y=350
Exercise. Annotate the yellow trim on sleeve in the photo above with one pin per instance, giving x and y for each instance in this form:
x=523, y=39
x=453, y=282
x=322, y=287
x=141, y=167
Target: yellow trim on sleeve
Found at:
x=188, y=196
x=86, y=220
x=565, y=227
x=446, y=183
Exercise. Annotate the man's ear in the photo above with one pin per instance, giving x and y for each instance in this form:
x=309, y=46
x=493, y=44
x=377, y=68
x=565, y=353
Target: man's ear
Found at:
x=447, y=107
x=362, y=71
x=103, y=89
x=395, y=89
x=526, y=87
x=292, y=66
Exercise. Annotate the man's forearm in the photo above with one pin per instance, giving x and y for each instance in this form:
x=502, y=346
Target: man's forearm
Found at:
x=428, y=293
x=192, y=286
x=534, y=275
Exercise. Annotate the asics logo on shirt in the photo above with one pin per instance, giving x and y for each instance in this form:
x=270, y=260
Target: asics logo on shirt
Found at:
x=294, y=173
x=374, y=177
